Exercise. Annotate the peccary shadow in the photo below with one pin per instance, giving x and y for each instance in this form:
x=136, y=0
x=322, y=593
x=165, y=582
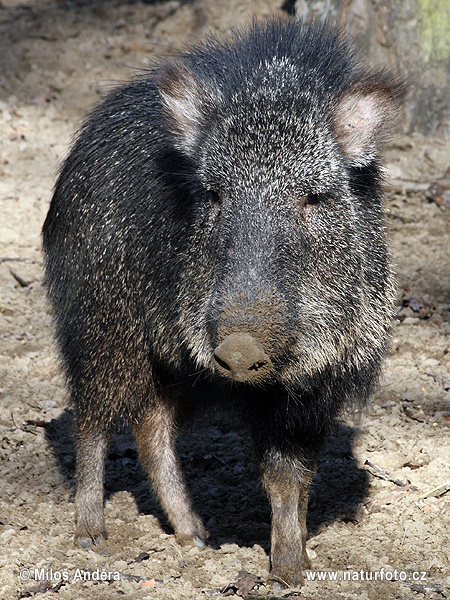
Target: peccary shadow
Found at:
x=223, y=479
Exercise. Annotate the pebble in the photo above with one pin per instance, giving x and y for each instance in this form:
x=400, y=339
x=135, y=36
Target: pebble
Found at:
x=235, y=563
x=410, y=321
x=229, y=548
x=430, y=362
x=7, y=535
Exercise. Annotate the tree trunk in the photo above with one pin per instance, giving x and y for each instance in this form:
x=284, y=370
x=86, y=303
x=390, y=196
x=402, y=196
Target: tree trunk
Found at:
x=413, y=37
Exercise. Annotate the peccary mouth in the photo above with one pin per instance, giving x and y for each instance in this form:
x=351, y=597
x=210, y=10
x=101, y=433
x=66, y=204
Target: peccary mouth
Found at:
x=242, y=358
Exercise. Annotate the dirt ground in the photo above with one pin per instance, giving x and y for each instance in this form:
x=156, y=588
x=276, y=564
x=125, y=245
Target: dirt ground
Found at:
x=56, y=58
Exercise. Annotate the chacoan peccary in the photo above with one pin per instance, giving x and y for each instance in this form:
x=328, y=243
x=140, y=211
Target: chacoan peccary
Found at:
x=222, y=216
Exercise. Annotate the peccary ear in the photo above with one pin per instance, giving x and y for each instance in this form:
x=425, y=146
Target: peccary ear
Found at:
x=364, y=116
x=185, y=98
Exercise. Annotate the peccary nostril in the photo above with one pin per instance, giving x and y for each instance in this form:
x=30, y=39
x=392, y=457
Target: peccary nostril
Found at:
x=242, y=358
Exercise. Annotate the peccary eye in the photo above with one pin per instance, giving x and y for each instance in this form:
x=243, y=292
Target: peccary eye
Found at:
x=216, y=201
x=312, y=199
x=309, y=205
x=214, y=198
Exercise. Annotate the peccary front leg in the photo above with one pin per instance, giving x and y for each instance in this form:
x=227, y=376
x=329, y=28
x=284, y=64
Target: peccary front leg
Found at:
x=90, y=471
x=286, y=481
x=155, y=437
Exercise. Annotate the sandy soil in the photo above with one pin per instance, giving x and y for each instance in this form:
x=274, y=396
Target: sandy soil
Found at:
x=56, y=60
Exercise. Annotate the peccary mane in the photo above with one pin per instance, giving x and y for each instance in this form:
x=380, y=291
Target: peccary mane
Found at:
x=324, y=60
x=281, y=69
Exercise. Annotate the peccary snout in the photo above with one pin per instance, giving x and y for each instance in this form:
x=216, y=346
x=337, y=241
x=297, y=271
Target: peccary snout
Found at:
x=242, y=358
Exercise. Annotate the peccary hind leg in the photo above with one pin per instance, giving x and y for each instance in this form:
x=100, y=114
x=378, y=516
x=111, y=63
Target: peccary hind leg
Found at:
x=155, y=437
x=286, y=481
x=91, y=450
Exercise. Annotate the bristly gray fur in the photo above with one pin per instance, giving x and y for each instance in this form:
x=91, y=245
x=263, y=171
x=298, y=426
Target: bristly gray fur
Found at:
x=232, y=190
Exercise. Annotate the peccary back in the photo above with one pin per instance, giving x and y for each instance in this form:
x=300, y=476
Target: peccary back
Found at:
x=222, y=216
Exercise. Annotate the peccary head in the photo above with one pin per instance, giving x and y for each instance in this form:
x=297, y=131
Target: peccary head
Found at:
x=280, y=131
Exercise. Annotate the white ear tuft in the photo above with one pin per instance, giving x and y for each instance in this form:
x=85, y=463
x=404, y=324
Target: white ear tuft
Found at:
x=185, y=97
x=364, y=116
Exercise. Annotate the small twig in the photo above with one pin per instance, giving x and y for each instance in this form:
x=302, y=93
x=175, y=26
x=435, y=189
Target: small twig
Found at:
x=139, y=579
x=404, y=186
x=42, y=588
x=16, y=259
x=177, y=549
x=13, y=420
x=404, y=535
x=19, y=279
x=383, y=475
x=437, y=491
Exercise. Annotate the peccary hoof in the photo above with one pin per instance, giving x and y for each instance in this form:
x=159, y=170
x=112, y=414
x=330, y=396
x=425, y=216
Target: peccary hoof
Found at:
x=281, y=582
x=289, y=577
x=88, y=540
x=198, y=540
